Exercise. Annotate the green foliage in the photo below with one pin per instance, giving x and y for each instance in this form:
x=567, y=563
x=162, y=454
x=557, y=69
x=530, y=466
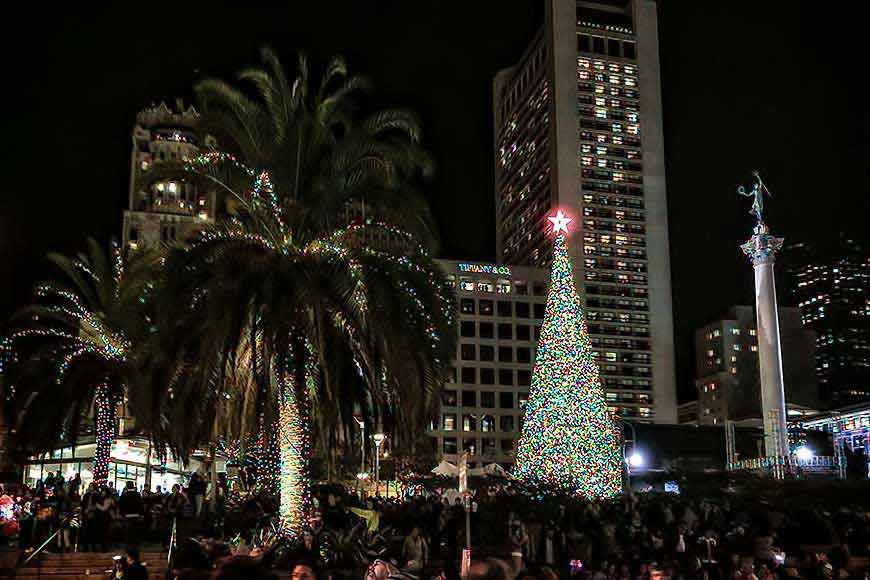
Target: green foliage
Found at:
x=327, y=251
x=83, y=330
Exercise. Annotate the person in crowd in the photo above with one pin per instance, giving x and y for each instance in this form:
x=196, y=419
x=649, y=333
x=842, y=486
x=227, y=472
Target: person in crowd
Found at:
x=303, y=571
x=415, y=550
x=133, y=568
x=196, y=489
x=130, y=507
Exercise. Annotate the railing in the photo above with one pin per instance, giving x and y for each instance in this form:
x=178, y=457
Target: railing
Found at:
x=38, y=550
x=818, y=463
x=173, y=537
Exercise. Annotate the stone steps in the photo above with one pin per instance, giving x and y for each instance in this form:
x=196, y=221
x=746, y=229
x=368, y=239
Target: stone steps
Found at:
x=83, y=566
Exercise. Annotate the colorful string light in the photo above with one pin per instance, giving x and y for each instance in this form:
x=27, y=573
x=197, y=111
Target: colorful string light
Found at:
x=570, y=441
x=293, y=442
x=264, y=226
x=105, y=433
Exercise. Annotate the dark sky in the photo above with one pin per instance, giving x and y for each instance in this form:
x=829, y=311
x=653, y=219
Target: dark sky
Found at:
x=774, y=85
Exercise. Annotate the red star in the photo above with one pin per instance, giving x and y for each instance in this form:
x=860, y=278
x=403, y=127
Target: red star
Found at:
x=560, y=222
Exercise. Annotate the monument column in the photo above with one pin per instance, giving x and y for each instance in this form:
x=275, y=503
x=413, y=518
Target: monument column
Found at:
x=761, y=249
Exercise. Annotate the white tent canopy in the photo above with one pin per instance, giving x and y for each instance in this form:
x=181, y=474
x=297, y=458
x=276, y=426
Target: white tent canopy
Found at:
x=446, y=468
x=449, y=470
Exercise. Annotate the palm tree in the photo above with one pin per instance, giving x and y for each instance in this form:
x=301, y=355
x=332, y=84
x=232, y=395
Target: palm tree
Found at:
x=75, y=346
x=286, y=309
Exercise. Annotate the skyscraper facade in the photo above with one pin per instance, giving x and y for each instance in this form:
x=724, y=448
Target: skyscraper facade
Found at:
x=832, y=289
x=163, y=209
x=578, y=125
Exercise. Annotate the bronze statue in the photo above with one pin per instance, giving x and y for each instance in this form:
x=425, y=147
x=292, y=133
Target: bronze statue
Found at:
x=758, y=191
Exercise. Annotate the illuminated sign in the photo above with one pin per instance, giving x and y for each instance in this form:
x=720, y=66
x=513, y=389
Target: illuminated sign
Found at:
x=484, y=269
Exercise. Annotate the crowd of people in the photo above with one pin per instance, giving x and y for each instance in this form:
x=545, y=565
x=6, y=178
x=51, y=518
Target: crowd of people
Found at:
x=100, y=517
x=724, y=533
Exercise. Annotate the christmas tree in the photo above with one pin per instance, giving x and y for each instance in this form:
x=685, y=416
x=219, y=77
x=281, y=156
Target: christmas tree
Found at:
x=570, y=442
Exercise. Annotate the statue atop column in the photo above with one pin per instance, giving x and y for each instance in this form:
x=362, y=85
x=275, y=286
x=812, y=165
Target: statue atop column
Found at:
x=761, y=249
x=757, y=193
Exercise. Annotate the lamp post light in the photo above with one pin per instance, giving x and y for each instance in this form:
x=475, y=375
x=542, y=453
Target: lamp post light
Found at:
x=361, y=477
x=804, y=453
x=379, y=440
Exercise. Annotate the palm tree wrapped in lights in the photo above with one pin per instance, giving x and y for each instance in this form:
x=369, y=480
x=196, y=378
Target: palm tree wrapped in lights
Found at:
x=319, y=294
x=80, y=333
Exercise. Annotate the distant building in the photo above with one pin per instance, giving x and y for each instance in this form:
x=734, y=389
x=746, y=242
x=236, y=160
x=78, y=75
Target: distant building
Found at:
x=160, y=208
x=832, y=289
x=726, y=367
x=578, y=125
x=687, y=413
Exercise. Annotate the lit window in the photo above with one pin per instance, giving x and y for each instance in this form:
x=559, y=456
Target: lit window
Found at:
x=173, y=187
x=754, y=348
x=735, y=331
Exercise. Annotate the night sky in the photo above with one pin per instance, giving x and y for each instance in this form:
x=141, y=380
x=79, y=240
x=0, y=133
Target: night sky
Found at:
x=774, y=86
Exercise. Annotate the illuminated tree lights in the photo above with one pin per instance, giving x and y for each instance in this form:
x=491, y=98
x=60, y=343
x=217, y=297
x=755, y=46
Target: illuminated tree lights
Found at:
x=294, y=449
x=570, y=441
x=271, y=225
x=105, y=433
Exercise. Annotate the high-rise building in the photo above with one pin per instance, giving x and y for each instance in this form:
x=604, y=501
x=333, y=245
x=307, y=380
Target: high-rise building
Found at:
x=578, y=125
x=832, y=289
x=726, y=367
x=160, y=208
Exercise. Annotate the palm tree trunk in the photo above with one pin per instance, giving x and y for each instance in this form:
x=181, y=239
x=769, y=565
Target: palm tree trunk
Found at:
x=105, y=433
x=293, y=441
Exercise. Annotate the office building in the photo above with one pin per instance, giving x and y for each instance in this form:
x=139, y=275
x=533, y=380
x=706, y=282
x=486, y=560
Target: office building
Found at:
x=578, y=125
x=832, y=289
x=726, y=367
x=162, y=209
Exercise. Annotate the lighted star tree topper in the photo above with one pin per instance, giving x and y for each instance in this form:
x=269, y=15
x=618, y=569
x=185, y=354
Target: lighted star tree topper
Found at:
x=570, y=441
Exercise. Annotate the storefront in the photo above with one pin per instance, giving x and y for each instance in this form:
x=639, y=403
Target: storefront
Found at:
x=132, y=459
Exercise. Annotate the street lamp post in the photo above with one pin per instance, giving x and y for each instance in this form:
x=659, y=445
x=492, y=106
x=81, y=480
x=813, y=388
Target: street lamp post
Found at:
x=379, y=440
x=362, y=444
